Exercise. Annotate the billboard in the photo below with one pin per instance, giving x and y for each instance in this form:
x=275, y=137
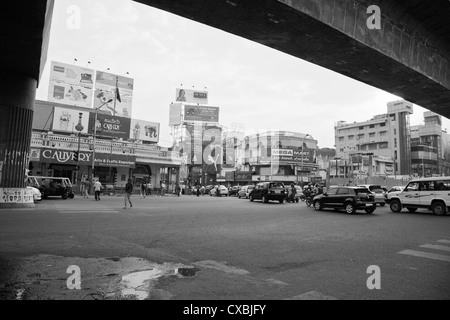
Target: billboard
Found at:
x=105, y=89
x=201, y=113
x=175, y=114
x=191, y=96
x=111, y=126
x=144, y=130
x=66, y=120
x=293, y=156
x=71, y=85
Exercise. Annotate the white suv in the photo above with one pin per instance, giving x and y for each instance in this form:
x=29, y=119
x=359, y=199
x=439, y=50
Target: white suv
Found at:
x=428, y=193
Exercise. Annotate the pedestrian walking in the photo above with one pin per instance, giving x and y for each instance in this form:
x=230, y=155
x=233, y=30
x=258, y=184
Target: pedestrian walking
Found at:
x=177, y=189
x=87, y=186
x=163, y=189
x=149, y=188
x=82, y=187
x=97, y=189
x=143, y=187
x=128, y=192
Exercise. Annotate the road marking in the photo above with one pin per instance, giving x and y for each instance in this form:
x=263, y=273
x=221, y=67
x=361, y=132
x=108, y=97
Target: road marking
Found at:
x=312, y=295
x=275, y=281
x=436, y=247
x=428, y=255
x=444, y=241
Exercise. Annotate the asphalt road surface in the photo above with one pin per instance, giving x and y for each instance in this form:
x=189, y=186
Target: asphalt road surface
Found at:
x=188, y=248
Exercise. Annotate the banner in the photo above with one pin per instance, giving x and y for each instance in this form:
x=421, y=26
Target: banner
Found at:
x=243, y=176
x=114, y=160
x=144, y=130
x=105, y=89
x=66, y=120
x=65, y=157
x=191, y=96
x=70, y=84
x=117, y=127
x=201, y=113
x=293, y=156
x=175, y=114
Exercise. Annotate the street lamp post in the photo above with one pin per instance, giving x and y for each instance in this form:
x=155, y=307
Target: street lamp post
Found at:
x=79, y=127
x=95, y=132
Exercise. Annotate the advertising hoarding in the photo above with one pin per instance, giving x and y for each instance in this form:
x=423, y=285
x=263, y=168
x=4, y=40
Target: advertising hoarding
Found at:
x=175, y=114
x=70, y=84
x=201, y=113
x=293, y=156
x=105, y=88
x=144, y=130
x=110, y=126
x=65, y=119
x=191, y=96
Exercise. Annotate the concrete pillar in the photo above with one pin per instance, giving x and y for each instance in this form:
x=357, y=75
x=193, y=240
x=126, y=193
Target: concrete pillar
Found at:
x=17, y=95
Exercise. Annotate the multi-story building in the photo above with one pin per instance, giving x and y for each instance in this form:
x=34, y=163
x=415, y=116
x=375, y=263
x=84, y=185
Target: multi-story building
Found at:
x=283, y=156
x=379, y=146
x=430, y=147
x=64, y=144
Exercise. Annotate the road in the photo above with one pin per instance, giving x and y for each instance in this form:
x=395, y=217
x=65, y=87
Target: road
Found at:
x=188, y=248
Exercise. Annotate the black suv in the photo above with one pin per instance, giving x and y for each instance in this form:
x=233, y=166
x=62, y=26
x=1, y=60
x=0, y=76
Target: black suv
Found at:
x=267, y=191
x=348, y=198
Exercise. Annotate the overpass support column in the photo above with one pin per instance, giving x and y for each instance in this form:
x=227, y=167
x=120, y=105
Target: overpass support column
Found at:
x=17, y=96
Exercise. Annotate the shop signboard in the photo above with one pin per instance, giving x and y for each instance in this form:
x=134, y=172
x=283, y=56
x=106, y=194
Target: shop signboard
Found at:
x=110, y=126
x=243, y=176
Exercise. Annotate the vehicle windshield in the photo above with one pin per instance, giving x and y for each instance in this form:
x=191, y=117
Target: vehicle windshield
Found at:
x=375, y=188
x=276, y=185
x=362, y=190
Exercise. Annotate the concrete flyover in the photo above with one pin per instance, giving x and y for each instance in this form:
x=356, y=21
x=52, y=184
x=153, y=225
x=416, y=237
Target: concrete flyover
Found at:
x=408, y=56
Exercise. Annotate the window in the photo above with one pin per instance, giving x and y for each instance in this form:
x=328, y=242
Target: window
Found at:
x=383, y=124
x=341, y=139
x=372, y=135
x=383, y=145
x=332, y=191
x=372, y=126
x=373, y=146
x=395, y=142
x=361, y=128
x=395, y=131
x=343, y=191
x=383, y=133
x=350, y=137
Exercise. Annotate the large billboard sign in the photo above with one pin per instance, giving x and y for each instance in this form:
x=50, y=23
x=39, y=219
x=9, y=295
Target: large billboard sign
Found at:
x=292, y=155
x=144, y=130
x=66, y=120
x=107, y=125
x=191, y=96
x=106, y=87
x=72, y=85
x=201, y=113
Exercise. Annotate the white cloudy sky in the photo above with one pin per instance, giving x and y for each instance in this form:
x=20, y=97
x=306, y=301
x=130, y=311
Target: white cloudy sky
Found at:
x=253, y=85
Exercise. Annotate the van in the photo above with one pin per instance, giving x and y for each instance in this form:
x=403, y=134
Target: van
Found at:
x=426, y=193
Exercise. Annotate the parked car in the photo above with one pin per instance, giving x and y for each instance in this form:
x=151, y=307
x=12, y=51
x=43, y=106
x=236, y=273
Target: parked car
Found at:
x=393, y=191
x=36, y=193
x=348, y=198
x=427, y=193
x=377, y=191
x=233, y=191
x=223, y=191
x=55, y=187
x=267, y=191
x=208, y=188
x=245, y=191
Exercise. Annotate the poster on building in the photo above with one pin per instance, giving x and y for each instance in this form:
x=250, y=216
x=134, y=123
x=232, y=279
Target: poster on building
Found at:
x=70, y=84
x=191, y=96
x=174, y=114
x=201, y=113
x=117, y=88
x=294, y=156
x=68, y=120
x=144, y=130
x=110, y=126
x=212, y=150
x=195, y=133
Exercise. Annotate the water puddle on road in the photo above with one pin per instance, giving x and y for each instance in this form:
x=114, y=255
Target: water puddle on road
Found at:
x=138, y=284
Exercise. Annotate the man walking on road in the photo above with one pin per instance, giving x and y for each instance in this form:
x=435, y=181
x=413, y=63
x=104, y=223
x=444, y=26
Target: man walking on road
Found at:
x=128, y=192
x=97, y=188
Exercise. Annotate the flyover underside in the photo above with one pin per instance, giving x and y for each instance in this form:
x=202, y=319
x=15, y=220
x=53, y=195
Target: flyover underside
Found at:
x=286, y=29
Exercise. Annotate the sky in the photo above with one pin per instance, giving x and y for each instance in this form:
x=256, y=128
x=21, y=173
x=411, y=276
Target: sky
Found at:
x=255, y=86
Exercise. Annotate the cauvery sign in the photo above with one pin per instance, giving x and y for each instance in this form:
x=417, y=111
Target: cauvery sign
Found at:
x=66, y=157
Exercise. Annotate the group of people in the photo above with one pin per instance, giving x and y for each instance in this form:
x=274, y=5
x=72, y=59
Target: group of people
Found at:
x=311, y=190
x=86, y=186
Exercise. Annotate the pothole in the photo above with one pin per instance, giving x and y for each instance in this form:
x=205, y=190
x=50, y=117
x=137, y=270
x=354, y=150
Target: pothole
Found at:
x=187, y=272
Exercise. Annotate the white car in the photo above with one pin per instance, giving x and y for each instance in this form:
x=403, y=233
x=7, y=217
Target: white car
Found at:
x=378, y=192
x=223, y=191
x=425, y=193
x=36, y=194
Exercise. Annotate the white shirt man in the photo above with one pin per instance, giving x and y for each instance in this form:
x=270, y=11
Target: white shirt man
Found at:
x=97, y=188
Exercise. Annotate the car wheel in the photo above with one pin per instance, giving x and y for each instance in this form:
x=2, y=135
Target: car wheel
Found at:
x=317, y=206
x=395, y=206
x=264, y=199
x=281, y=200
x=71, y=196
x=439, y=208
x=251, y=198
x=350, y=208
x=382, y=204
x=412, y=209
x=371, y=210
x=64, y=196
